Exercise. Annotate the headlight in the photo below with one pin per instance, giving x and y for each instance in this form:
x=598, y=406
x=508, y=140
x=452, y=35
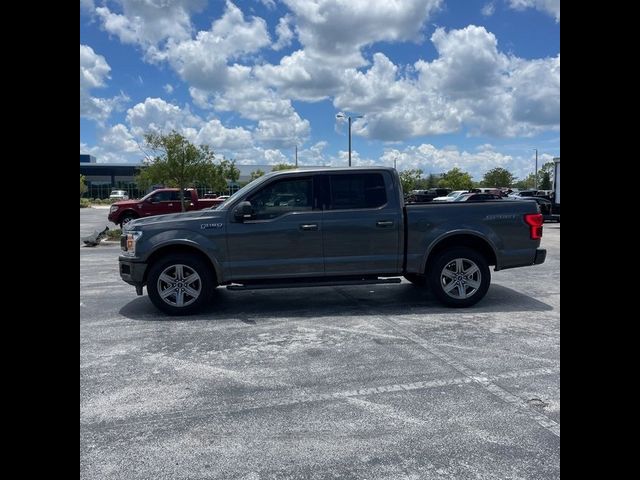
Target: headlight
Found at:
x=128, y=244
x=113, y=208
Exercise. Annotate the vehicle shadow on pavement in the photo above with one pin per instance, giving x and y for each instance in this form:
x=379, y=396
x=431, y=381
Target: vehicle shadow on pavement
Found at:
x=334, y=301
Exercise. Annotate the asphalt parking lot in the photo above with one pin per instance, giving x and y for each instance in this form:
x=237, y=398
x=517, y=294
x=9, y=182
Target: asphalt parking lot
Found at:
x=368, y=382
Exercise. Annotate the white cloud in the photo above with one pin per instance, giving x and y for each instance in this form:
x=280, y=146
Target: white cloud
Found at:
x=469, y=64
x=94, y=69
x=551, y=7
x=283, y=132
x=338, y=29
x=302, y=76
x=225, y=139
x=284, y=33
x=270, y=4
x=470, y=84
x=433, y=160
x=168, y=88
x=149, y=22
x=202, y=62
x=376, y=90
x=87, y=5
x=94, y=72
x=156, y=115
x=99, y=109
x=488, y=9
x=115, y=144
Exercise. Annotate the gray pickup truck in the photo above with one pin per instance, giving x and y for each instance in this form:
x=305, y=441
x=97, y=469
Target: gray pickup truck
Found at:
x=330, y=226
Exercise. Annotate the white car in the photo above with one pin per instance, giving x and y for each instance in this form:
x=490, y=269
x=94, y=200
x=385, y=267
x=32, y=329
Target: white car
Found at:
x=119, y=195
x=451, y=197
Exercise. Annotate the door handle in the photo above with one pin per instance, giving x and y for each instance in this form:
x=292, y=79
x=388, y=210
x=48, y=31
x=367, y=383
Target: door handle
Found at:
x=384, y=223
x=170, y=205
x=309, y=226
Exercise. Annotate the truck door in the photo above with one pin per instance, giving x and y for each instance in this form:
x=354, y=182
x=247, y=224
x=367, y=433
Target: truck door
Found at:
x=283, y=237
x=161, y=203
x=361, y=225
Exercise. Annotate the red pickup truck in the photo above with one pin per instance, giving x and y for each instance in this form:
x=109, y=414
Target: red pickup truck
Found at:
x=159, y=202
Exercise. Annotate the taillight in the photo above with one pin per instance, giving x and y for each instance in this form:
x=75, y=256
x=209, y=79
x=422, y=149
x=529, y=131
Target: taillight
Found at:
x=535, y=221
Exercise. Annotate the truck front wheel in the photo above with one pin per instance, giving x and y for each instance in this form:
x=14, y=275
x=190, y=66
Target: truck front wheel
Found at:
x=126, y=218
x=180, y=284
x=459, y=277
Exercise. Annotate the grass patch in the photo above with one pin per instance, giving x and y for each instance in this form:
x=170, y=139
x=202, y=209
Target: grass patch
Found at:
x=114, y=234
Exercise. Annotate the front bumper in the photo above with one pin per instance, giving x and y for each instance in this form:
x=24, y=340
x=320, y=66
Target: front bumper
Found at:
x=132, y=272
x=541, y=256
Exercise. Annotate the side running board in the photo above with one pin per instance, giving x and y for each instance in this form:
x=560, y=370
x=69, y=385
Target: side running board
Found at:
x=265, y=286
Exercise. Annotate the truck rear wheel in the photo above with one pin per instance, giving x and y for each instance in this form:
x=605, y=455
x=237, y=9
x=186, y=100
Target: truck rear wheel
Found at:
x=180, y=284
x=459, y=277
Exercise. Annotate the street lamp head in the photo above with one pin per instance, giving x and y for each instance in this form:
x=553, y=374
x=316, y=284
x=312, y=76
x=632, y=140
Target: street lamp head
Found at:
x=339, y=115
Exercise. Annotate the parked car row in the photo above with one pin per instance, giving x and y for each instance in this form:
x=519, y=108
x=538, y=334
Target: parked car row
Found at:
x=483, y=194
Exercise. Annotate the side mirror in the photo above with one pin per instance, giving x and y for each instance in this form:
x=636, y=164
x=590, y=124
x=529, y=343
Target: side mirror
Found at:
x=243, y=211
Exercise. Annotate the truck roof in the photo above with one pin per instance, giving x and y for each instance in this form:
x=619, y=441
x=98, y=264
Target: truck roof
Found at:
x=331, y=169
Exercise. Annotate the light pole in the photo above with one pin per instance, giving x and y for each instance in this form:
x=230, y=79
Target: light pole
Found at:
x=340, y=115
x=535, y=175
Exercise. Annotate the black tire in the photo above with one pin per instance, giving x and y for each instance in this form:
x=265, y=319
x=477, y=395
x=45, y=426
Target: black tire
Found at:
x=126, y=218
x=417, y=280
x=438, y=281
x=188, y=264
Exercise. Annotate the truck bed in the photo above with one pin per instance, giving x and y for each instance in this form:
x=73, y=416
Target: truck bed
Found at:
x=500, y=222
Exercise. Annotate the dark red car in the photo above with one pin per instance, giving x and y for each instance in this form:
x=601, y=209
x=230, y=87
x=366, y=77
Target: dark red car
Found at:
x=159, y=202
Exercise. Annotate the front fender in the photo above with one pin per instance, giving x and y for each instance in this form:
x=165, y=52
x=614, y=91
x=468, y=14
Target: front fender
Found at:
x=212, y=247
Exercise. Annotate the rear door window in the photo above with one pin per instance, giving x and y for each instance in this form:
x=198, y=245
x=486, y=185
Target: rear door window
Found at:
x=357, y=191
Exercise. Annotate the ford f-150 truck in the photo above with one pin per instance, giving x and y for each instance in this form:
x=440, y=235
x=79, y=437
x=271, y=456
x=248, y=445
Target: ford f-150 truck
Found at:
x=158, y=202
x=303, y=228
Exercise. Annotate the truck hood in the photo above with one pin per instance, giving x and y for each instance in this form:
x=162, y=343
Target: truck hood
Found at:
x=126, y=203
x=176, y=218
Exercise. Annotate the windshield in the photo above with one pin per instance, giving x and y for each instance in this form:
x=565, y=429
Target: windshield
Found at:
x=239, y=193
x=454, y=194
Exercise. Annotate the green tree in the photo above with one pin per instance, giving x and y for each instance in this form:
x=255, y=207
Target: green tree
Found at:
x=83, y=185
x=456, y=179
x=179, y=163
x=498, y=177
x=432, y=181
x=230, y=171
x=545, y=175
x=410, y=179
x=545, y=182
x=256, y=174
x=282, y=166
x=526, y=183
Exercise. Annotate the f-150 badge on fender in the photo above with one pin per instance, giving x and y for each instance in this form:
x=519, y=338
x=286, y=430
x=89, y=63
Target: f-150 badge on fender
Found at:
x=204, y=226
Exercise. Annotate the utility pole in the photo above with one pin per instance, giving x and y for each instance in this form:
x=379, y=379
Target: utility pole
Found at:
x=296, y=156
x=349, y=141
x=340, y=115
x=536, y=174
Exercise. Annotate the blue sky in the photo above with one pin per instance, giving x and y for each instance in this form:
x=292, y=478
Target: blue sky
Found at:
x=440, y=84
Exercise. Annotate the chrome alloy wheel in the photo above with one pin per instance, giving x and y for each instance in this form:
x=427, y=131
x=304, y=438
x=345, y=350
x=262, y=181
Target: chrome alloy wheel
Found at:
x=179, y=285
x=460, y=278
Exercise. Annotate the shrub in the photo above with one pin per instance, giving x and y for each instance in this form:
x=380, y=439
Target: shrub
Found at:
x=84, y=203
x=114, y=234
